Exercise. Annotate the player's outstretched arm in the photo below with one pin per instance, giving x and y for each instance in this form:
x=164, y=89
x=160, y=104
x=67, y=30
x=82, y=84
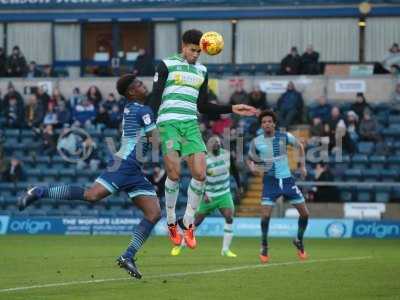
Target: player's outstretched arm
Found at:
x=244, y=110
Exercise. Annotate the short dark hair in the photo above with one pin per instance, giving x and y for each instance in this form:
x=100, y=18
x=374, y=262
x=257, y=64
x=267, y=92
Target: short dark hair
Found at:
x=124, y=82
x=192, y=36
x=265, y=113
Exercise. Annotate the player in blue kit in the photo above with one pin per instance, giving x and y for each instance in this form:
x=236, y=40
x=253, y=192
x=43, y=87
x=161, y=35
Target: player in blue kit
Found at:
x=268, y=154
x=123, y=173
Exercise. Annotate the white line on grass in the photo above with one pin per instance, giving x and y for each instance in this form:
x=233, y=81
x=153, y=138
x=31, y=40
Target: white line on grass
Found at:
x=246, y=267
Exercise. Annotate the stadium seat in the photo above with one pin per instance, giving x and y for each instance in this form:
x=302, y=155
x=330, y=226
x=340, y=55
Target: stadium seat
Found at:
x=364, y=194
x=371, y=175
x=382, y=194
x=377, y=161
x=359, y=161
x=346, y=194
x=353, y=175
x=365, y=147
x=388, y=175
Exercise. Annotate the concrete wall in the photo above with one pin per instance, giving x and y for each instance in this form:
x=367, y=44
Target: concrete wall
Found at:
x=377, y=88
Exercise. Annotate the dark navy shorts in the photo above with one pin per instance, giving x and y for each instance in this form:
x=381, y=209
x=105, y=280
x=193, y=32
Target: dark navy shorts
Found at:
x=273, y=188
x=127, y=176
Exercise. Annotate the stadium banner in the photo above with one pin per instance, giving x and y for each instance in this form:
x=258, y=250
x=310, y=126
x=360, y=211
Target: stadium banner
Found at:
x=376, y=229
x=4, y=224
x=350, y=86
x=214, y=226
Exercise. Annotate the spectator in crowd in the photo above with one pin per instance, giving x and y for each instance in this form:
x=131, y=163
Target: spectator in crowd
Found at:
x=115, y=117
x=34, y=112
x=360, y=105
x=33, y=70
x=258, y=99
x=76, y=98
x=239, y=96
x=143, y=65
x=43, y=97
x=90, y=157
x=317, y=127
x=12, y=93
x=309, y=61
x=63, y=115
x=57, y=97
x=48, y=71
x=392, y=57
x=14, y=171
x=290, y=106
x=94, y=95
x=102, y=118
x=322, y=110
x=49, y=139
x=14, y=114
x=325, y=193
x=16, y=63
x=369, y=129
x=338, y=137
x=3, y=63
x=50, y=117
x=84, y=114
x=395, y=99
x=352, y=126
x=157, y=179
x=291, y=64
x=224, y=123
x=110, y=102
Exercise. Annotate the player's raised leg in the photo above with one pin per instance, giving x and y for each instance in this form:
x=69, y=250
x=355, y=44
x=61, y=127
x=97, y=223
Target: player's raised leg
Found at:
x=302, y=226
x=172, y=165
x=197, y=166
x=228, y=232
x=63, y=192
x=152, y=214
x=266, y=211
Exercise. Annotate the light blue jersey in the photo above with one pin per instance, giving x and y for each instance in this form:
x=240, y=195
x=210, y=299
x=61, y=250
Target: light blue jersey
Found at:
x=137, y=121
x=271, y=153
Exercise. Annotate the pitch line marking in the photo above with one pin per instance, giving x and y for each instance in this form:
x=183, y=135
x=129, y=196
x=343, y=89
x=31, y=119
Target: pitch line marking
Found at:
x=245, y=267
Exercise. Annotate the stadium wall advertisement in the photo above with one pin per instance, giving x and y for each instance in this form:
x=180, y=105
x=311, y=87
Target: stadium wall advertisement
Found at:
x=245, y=227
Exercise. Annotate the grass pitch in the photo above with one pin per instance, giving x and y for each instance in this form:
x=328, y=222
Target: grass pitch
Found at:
x=83, y=267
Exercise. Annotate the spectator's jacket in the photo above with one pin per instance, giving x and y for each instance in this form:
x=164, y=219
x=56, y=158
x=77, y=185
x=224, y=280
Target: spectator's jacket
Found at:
x=82, y=114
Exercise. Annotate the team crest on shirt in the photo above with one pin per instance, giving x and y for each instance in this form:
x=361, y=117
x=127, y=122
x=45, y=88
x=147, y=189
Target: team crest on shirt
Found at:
x=146, y=119
x=155, y=78
x=126, y=110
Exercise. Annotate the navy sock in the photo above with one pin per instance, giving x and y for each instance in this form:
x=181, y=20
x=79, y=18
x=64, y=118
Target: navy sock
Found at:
x=62, y=192
x=264, y=231
x=140, y=235
x=302, y=227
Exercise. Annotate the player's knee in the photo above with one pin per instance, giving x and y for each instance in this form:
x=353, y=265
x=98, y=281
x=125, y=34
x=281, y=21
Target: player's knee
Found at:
x=174, y=175
x=199, y=176
x=304, y=214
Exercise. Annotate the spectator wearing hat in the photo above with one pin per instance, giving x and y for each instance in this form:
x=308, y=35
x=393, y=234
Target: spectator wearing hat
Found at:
x=291, y=64
x=16, y=63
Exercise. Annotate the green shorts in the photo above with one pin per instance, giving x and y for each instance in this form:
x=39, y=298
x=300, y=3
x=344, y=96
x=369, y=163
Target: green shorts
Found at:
x=223, y=201
x=182, y=136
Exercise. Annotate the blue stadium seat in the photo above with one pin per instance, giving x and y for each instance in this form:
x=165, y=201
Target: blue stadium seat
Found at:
x=377, y=161
x=346, y=194
x=371, y=175
x=382, y=194
x=359, y=161
x=388, y=175
x=394, y=119
x=353, y=174
x=11, y=133
x=364, y=194
x=394, y=162
x=365, y=147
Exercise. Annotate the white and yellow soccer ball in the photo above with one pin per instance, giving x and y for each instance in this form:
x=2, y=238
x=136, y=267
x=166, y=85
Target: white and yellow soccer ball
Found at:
x=211, y=43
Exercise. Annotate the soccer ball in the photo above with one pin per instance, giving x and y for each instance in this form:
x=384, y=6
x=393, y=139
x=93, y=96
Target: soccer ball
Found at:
x=211, y=43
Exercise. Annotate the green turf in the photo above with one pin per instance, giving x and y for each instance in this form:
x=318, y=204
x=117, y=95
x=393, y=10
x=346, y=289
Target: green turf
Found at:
x=39, y=260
